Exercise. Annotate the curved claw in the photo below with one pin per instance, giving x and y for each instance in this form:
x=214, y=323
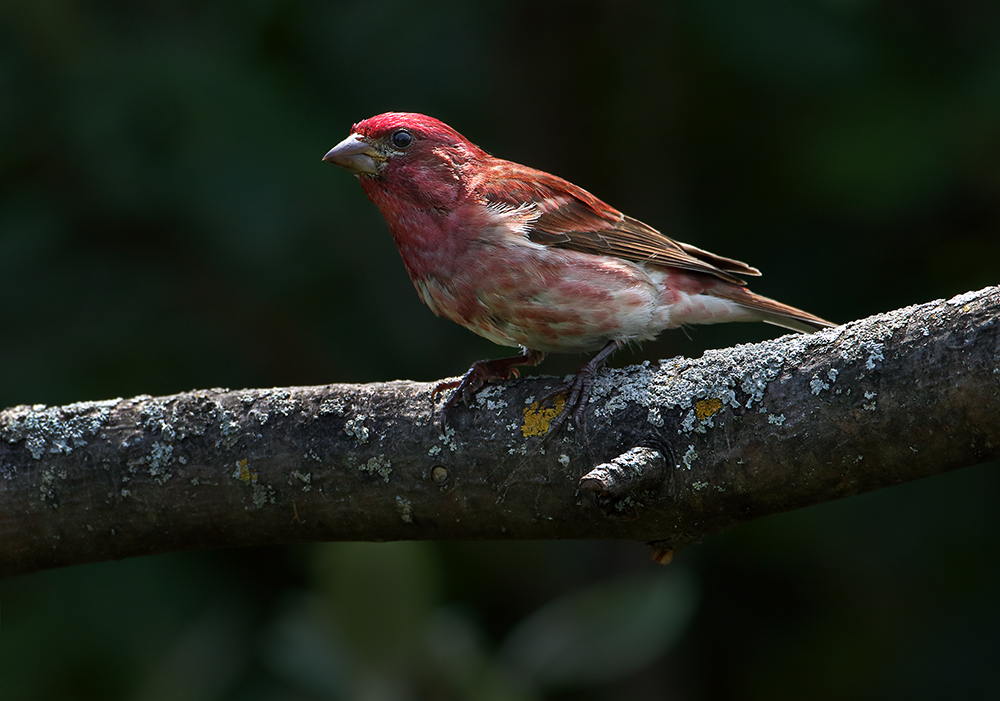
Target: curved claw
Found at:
x=466, y=388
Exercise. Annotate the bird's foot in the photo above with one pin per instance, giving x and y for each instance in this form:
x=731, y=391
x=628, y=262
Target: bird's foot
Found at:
x=576, y=395
x=577, y=391
x=481, y=372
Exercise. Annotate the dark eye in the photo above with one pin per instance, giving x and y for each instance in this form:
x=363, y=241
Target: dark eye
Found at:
x=401, y=138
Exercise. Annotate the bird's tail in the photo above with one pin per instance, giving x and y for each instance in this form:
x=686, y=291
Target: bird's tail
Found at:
x=774, y=312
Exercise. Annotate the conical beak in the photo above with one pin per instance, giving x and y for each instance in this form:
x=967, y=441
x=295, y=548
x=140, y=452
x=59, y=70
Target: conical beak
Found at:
x=356, y=155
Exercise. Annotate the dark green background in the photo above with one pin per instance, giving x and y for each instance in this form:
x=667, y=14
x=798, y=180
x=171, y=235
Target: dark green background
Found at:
x=166, y=224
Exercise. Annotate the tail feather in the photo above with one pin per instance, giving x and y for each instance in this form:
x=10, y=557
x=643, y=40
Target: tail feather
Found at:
x=773, y=312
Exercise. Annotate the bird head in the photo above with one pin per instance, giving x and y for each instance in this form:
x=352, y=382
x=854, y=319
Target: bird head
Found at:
x=408, y=160
x=392, y=140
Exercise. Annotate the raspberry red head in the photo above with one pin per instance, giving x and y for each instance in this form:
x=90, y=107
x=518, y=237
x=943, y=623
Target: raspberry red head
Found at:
x=394, y=139
x=407, y=160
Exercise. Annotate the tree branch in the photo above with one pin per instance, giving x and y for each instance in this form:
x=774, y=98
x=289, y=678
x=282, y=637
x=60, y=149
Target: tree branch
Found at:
x=735, y=435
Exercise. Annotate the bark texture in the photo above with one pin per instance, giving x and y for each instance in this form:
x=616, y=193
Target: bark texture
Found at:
x=674, y=451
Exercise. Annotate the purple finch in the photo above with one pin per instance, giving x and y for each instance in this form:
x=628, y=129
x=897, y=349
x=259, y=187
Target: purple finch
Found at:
x=527, y=259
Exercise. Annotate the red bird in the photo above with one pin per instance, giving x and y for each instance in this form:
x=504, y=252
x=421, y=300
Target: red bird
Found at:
x=527, y=259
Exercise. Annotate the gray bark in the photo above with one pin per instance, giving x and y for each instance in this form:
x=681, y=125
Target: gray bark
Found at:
x=673, y=451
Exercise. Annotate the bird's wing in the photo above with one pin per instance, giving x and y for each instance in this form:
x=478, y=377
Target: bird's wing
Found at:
x=569, y=217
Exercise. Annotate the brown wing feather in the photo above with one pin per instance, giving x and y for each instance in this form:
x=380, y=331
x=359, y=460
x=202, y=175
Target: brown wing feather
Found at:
x=570, y=217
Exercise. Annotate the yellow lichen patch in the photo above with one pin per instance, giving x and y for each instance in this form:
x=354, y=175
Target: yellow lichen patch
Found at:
x=244, y=473
x=537, y=419
x=706, y=408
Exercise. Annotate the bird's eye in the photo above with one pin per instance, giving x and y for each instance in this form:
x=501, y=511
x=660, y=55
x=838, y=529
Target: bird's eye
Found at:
x=401, y=138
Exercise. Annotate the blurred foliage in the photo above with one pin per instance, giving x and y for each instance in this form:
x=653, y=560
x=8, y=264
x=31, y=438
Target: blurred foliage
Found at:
x=166, y=224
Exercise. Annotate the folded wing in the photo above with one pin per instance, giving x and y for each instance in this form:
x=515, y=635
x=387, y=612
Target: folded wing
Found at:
x=570, y=217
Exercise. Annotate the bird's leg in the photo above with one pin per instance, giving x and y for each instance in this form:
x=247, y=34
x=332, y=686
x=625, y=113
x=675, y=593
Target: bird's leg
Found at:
x=484, y=371
x=578, y=389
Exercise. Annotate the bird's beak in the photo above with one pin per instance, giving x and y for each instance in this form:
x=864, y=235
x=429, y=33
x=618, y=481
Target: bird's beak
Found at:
x=355, y=154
